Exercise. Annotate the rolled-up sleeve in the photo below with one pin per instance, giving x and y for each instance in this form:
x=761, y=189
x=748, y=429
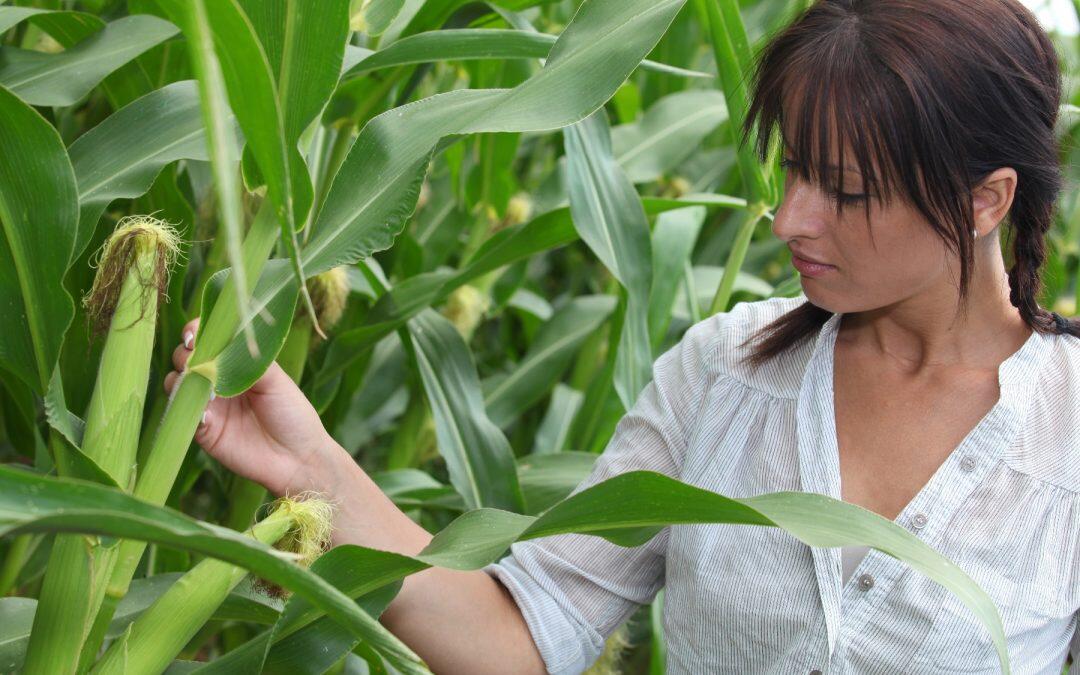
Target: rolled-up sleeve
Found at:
x=574, y=590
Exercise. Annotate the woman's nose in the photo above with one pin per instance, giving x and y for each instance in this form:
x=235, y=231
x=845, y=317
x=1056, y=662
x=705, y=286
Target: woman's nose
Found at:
x=803, y=212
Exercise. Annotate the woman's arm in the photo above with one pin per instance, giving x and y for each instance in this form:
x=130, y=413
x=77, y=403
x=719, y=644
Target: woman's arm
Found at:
x=458, y=622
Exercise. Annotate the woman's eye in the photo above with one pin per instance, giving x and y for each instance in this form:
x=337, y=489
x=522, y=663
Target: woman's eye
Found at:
x=847, y=199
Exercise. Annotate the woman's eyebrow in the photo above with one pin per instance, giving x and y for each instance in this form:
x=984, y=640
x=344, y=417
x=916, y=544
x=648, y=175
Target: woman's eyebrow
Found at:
x=831, y=167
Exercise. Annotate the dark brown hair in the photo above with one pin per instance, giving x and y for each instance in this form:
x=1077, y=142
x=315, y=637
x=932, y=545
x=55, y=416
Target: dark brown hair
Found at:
x=937, y=94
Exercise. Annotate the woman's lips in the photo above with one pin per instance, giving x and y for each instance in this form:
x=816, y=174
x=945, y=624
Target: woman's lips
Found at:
x=810, y=269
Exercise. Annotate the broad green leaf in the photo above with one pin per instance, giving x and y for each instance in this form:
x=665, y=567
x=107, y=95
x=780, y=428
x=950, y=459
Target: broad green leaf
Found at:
x=550, y=353
x=478, y=456
x=668, y=132
x=254, y=97
x=464, y=44
x=626, y=509
x=64, y=78
x=37, y=503
x=609, y=217
x=13, y=16
x=217, y=65
x=237, y=369
x=121, y=156
x=39, y=215
x=304, y=44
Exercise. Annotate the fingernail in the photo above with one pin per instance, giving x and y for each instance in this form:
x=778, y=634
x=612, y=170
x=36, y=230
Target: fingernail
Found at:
x=205, y=416
x=189, y=339
x=212, y=395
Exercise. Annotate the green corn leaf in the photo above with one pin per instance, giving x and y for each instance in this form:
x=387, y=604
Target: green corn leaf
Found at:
x=305, y=45
x=13, y=16
x=629, y=508
x=66, y=77
x=609, y=218
x=39, y=215
x=554, y=429
x=376, y=15
x=291, y=647
x=733, y=59
x=667, y=133
x=478, y=456
x=465, y=44
x=17, y=614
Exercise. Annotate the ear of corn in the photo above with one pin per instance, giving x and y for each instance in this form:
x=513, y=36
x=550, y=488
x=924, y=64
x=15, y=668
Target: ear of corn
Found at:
x=152, y=641
x=186, y=405
x=132, y=275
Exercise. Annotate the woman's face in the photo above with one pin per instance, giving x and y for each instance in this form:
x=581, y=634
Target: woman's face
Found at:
x=899, y=255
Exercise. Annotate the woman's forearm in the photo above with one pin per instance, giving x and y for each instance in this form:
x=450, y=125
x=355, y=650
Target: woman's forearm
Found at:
x=458, y=622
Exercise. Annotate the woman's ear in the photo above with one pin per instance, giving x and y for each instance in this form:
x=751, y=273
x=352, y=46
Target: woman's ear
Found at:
x=993, y=197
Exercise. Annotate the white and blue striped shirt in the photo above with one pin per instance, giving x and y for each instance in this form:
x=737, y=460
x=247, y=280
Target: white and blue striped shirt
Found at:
x=1004, y=506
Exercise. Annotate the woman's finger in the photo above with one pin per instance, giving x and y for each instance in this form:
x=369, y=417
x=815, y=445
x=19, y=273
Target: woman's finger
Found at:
x=170, y=381
x=180, y=357
x=187, y=334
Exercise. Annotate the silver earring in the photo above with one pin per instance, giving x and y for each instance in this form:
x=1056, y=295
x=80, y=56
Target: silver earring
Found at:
x=974, y=233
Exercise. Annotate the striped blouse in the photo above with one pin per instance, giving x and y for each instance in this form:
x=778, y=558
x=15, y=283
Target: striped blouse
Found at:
x=1004, y=506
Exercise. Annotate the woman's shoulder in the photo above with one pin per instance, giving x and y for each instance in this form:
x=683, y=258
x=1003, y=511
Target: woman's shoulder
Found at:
x=726, y=339
x=1049, y=447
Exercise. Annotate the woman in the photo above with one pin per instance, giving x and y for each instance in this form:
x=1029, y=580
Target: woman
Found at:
x=918, y=378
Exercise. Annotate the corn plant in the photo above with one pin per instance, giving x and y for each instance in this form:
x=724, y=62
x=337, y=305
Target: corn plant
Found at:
x=395, y=200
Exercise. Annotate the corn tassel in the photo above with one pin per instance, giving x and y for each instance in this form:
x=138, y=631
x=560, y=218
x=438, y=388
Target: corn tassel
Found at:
x=154, y=639
x=132, y=275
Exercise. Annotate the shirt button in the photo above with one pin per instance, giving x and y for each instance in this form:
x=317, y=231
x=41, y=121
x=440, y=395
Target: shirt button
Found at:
x=866, y=582
x=967, y=463
x=919, y=521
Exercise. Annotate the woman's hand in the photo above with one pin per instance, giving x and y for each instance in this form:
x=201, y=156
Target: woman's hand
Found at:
x=270, y=434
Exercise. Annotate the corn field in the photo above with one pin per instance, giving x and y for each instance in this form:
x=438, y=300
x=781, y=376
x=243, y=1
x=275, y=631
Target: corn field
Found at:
x=466, y=229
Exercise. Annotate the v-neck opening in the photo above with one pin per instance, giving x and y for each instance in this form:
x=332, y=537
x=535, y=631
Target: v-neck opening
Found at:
x=819, y=461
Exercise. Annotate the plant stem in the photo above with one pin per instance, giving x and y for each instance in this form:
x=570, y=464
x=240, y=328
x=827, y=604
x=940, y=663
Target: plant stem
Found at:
x=13, y=562
x=736, y=258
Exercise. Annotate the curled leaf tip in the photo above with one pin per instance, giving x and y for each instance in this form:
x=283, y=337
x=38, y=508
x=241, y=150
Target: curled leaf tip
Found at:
x=142, y=244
